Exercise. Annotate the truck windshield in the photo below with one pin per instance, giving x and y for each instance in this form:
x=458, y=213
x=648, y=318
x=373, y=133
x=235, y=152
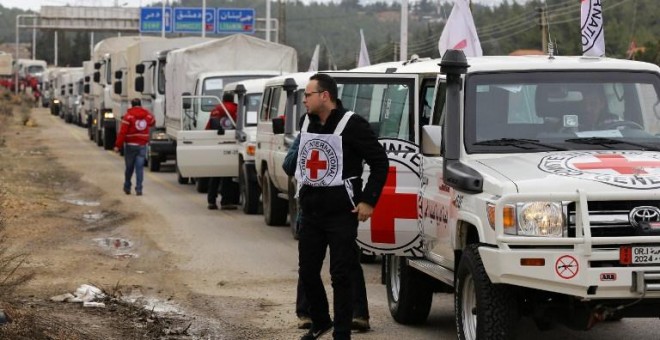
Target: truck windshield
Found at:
x=34, y=69
x=213, y=86
x=562, y=110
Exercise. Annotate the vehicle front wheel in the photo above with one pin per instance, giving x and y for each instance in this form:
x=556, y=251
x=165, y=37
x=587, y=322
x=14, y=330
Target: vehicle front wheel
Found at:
x=180, y=179
x=202, y=185
x=483, y=310
x=409, y=292
x=275, y=208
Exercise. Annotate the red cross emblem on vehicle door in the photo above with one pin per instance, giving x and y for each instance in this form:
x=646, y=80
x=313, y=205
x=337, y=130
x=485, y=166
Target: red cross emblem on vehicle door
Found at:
x=390, y=206
x=314, y=164
x=618, y=163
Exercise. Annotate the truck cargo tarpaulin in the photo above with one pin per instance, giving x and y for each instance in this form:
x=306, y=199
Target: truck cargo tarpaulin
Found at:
x=233, y=53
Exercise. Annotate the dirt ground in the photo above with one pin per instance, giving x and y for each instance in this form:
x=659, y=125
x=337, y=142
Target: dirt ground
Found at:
x=55, y=230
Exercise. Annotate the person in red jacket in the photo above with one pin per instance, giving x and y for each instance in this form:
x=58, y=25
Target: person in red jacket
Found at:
x=133, y=137
x=229, y=190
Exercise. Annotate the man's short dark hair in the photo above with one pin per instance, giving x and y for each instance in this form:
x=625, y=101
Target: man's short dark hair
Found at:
x=136, y=102
x=227, y=97
x=326, y=83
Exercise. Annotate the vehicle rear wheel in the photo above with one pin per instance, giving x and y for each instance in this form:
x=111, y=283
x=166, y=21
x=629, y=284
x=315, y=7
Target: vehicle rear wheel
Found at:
x=275, y=208
x=409, y=292
x=249, y=191
x=483, y=310
x=202, y=185
x=181, y=179
x=154, y=164
x=293, y=208
x=108, y=138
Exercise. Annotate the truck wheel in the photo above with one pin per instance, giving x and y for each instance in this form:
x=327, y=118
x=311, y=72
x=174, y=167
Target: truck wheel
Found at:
x=99, y=138
x=293, y=208
x=181, y=179
x=108, y=139
x=249, y=191
x=275, y=208
x=483, y=310
x=154, y=164
x=202, y=185
x=409, y=292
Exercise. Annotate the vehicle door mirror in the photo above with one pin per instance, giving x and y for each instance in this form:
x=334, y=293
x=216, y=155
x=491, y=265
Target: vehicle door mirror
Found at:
x=117, y=87
x=118, y=74
x=97, y=66
x=86, y=88
x=86, y=79
x=97, y=77
x=431, y=140
x=139, y=68
x=278, y=125
x=186, y=102
x=139, y=84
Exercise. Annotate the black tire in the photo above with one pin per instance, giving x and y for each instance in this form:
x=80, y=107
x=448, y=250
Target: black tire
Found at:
x=180, y=179
x=202, y=185
x=409, y=292
x=293, y=209
x=249, y=191
x=483, y=310
x=154, y=164
x=99, y=139
x=108, y=139
x=275, y=208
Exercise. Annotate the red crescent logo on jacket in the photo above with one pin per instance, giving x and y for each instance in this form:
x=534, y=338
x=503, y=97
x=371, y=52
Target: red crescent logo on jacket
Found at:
x=140, y=124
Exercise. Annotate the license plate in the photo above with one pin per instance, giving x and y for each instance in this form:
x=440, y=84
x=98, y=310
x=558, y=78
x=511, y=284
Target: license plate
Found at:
x=645, y=255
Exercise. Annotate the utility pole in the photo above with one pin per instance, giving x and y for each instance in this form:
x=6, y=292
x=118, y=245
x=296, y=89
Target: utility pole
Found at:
x=544, y=29
x=268, y=28
x=282, y=21
x=403, y=55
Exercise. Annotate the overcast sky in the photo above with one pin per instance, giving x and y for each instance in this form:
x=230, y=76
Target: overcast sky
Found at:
x=36, y=4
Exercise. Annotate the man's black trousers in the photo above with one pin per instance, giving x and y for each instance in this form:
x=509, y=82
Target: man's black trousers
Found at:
x=338, y=232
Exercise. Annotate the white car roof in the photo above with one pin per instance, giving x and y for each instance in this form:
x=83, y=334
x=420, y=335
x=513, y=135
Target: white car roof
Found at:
x=251, y=85
x=301, y=79
x=539, y=62
x=237, y=73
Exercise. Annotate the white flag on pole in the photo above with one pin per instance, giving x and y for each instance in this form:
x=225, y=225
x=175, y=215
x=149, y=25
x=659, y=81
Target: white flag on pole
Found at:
x=363, y=58
x=314, y=63
x=592, y=28
x=459, y=32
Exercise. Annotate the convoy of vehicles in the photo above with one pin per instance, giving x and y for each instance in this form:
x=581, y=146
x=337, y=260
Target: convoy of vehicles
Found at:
x=500, y=189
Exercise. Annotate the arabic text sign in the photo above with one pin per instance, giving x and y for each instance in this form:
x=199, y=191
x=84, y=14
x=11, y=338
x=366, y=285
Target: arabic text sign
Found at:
x=236, y=20
x=189, y=20
x=151, y=19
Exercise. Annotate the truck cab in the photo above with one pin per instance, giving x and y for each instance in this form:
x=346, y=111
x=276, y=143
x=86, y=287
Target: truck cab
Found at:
x=527, y=207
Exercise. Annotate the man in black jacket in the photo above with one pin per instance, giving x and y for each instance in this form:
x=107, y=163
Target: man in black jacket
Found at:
x=334, y=144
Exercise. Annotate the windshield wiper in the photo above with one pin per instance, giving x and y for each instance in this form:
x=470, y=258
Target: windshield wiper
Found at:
x=518, y=142
x=607, y=142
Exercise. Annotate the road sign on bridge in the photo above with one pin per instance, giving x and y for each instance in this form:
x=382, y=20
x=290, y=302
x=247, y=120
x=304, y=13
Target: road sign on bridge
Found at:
x=236, y=20
x=151, y=19
x=189, y=20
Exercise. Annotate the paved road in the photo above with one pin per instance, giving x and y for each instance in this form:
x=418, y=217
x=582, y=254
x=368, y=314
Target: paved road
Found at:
x=220, y=253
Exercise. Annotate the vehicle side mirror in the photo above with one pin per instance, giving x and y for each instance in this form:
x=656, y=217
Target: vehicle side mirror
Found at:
x=186, y=103
x=87, y=79
x=431, y=140
x=86, y=88
x=97, y=66
x=117, y=87
x=118, y=74
x=139, y=84
x=139, y=68
x=97, y=77
x=278, y=126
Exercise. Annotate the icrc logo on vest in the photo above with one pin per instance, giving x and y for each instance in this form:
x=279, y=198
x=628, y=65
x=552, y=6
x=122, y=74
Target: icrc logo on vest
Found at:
x=319, y=161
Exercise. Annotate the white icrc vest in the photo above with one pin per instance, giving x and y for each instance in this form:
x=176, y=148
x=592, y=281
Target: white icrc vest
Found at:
x=321, y=156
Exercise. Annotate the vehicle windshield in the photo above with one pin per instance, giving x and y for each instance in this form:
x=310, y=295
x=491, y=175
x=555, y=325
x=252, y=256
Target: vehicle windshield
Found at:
x=213, y=87
x=252, y=105
x=34, y=69
x=594, y=110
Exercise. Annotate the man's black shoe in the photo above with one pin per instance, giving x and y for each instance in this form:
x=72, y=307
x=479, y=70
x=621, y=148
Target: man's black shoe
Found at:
x=316, y=333
x=139, y=193
x=127, y=191
x=212, y=206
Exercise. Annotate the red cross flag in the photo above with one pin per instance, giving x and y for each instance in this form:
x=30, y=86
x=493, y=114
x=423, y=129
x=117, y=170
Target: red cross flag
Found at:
x=592, y=28
x=459, y=32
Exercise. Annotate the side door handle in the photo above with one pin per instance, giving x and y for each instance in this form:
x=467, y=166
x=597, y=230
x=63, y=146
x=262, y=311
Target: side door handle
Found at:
x=187, y=142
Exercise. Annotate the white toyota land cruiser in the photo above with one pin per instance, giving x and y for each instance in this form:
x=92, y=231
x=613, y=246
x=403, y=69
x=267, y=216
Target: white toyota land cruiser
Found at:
x=532, y=203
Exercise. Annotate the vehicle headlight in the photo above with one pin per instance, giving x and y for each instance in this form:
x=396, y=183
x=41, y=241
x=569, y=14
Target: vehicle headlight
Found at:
x=540, y=219
x=160, y=135
x=56, y=101
x=108, y=115
x=77, y=102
